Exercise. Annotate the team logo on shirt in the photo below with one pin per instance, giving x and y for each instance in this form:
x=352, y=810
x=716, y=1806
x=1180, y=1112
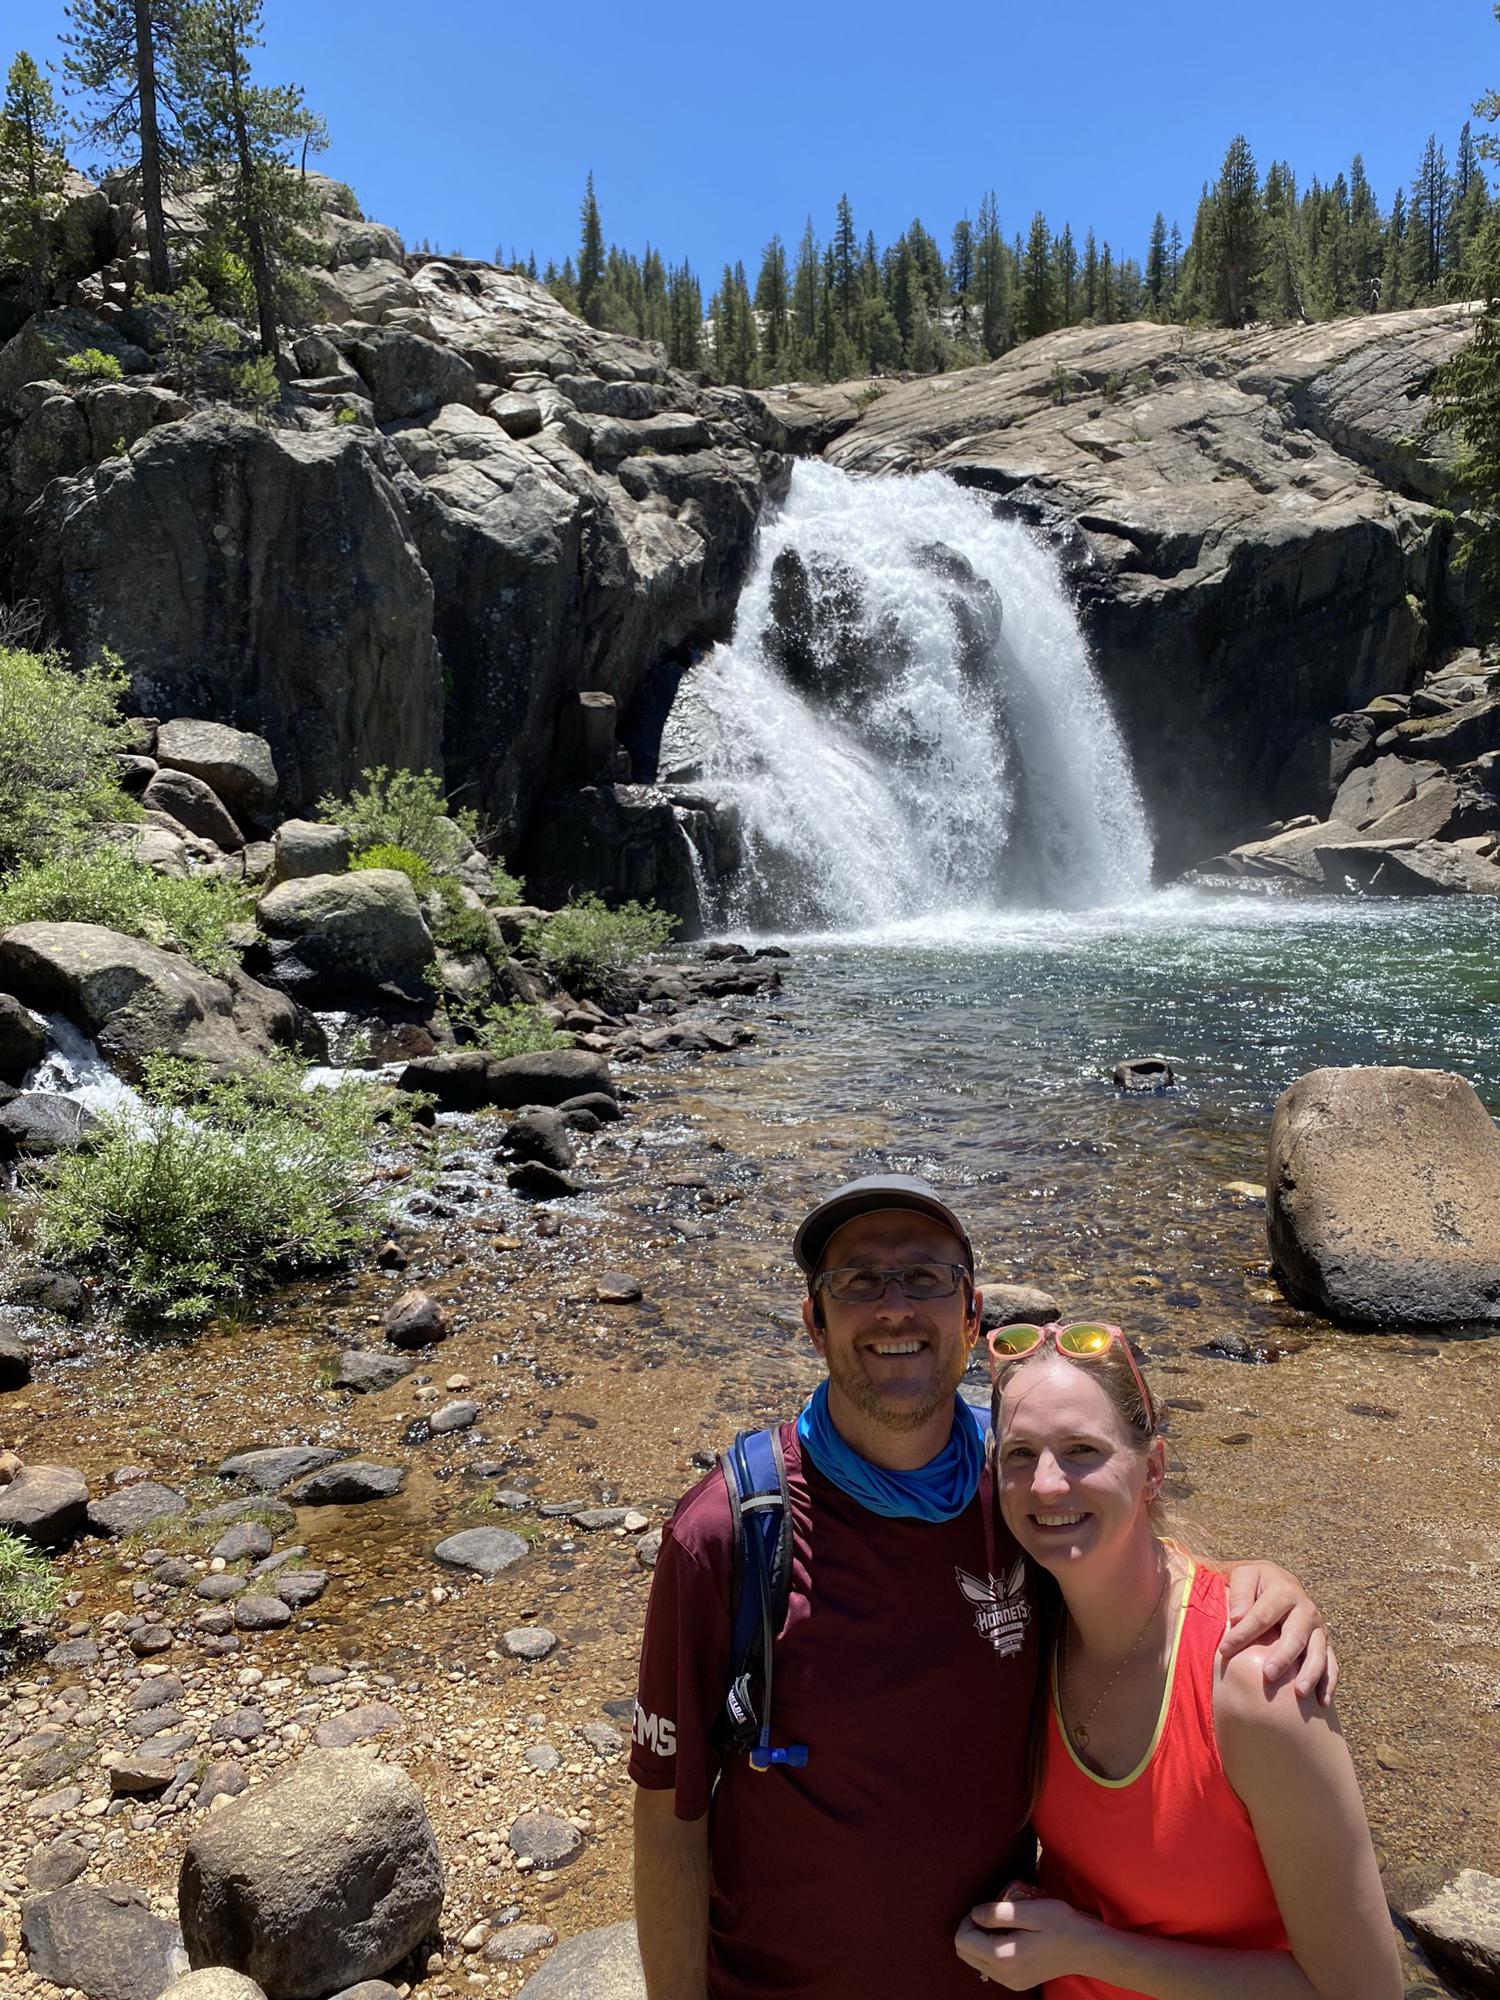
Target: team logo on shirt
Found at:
x=1001, y=1610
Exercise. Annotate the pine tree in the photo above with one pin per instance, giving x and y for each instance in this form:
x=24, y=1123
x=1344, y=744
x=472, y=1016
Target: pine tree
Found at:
x=590, y=255
x=1106, y=307
x=773, y=303
x=921, y=339
x=961, y=275
x=245, y=133
x=1156, y=267
x=684, y=319
x=1090, y=277
x=1235, y=235
x=32, y=170
x=1466, y=216
x=124, y=56
x=1036, y=280
x=1393, y=293
x=1365, y=241
x=805, y=304
x=1284, y=278
x=846, y=267
x=1174, y=266
x=1065, y=274
x=992, y=280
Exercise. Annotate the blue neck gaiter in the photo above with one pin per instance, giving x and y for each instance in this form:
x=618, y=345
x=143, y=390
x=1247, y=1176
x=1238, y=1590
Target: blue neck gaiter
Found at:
x=937, y=1491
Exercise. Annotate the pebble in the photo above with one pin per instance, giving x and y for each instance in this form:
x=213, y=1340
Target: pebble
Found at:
x=510, y=1946
x=542, y=1757
x=325, y=1677
x=601, y=1738
x=453, y=1417
x=599, y=1517
x=356, y=1725
x=150, y=1639
x=529, y=1642
x=485, y=1551
x=301, y=1587
x=261, y=1614
x=617, y=1288
x=245, y=1538
x=543, y=1840
x=158, y=1692
x=415, y=1320
x=241, y=1725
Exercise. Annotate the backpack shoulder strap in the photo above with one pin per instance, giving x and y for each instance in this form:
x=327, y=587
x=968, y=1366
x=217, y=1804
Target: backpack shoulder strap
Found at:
x=754, y=1470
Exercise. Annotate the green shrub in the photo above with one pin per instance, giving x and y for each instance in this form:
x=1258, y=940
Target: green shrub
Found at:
x=417, y=871
x=94, y=365
x=254, y=384
x=459, y=926
x=28, y=1588
x=515, y=1028
x=402, y=809
x=59, y=732
x=218, y=1186
x=509, y=889
x=106, y=885
x=190, y=326
x=346, y=414
x=590, y=947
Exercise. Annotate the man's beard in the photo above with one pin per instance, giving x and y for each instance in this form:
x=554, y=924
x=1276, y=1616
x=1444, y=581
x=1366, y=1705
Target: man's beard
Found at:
x=907, y=1414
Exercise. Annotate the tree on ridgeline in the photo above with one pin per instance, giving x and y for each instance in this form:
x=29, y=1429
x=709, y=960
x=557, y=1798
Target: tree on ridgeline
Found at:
x=1156, y=268
x=125, y=58
x=684, y=319
x=246, y=133
x=1065, y=275
x=773, y=304
x=961, y=276
x=1036, y=281
x=806, y=317
x=1431, y=197
x=1284, y=281
x=1365, y=247
x=846, y=267
x=1089, y=278
x=1466, y=215
x=1393, y=293
x=590, y=278
x=992, y=281
x=1236, y=226
x=1107, y=299
x=32, y=176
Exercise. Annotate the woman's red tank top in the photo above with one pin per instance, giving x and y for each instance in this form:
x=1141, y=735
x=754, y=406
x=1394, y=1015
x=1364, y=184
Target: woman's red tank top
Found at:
x=1168, y=1849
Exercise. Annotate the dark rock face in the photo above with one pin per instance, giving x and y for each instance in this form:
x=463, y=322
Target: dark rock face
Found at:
x=1243, y=513
x=261, y=577
x=465, y=1081
x=23, y=1040
x=629, y=842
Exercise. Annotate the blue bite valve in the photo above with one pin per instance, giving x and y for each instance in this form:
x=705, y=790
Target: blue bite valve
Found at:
x=792, y=1755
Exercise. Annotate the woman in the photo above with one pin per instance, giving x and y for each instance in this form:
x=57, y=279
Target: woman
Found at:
x=1202, y=1834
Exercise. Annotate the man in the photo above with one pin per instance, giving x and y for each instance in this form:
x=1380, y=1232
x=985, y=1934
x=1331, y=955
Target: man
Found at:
x=906, y=1662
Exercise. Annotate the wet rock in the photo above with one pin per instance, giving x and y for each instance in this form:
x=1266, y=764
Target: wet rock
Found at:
x=1460, y=1929
x=486, y=1552
x=615, y=1288
x=594, y=1518
x=597, y=1965
x=357, y=1725
x=150, y=1639
x=347, y=1484
x=274, y=1512
x=1017, y=1305
x=543, y=1182
x=134, y=1509
x=270, y=1467
x=301, y=1587
x=538, y=1135
x=45, y=1503
x=261, y=1614
x=326, y=1874
x=515, y=1942
x=368, y=1373
x=219, y=1589
x=39, y=1123
x=529, y=1642
x=101, y=1941
x=470, y=1079
x=73, y=1653
x=23, y=1040
x=544, y=1839
x=57, y=1864
x=49, y=1291
x=245, y=1538
x=1384, y=1197
x=457, y=1416
x=15, y=1361
x=415, y=1320
x=596, y=1104
x=235, y=765
x=1144, y=1074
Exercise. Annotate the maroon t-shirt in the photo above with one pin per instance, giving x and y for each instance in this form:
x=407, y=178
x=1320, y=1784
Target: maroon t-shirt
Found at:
x=906, y=1665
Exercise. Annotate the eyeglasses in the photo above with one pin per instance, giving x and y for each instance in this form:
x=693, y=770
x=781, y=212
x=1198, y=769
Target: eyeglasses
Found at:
x=863, y=1284
x=1085, y=1340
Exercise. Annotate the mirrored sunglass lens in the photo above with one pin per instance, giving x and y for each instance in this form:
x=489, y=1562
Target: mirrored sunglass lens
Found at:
x=1015, y=1339
x=1085, y=1339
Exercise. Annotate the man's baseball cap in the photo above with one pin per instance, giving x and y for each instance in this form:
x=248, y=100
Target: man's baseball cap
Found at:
x=862, y=1197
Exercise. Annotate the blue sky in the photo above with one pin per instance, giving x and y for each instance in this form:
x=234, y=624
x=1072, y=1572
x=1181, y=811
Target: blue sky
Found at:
x=707, y=127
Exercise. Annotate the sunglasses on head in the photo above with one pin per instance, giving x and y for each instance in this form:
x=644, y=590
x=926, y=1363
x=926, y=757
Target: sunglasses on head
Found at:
x=1084, y=1340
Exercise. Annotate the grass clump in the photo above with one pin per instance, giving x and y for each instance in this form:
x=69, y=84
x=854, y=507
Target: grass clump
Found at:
x=387, y=855
x=107, y=885
x=219, y=1186
x=94, y=365
x=404, y=809
x=60, y=732
x=29, y=1591
x=509, y=890
x=591, y=948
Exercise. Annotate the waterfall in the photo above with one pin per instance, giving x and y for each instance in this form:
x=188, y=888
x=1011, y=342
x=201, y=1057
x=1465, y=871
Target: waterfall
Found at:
x=906, y=720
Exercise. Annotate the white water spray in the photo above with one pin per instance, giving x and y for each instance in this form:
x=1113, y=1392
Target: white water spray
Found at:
x=891, y=745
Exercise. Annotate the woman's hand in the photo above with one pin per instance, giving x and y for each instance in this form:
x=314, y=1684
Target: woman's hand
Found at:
x=1024, y=1939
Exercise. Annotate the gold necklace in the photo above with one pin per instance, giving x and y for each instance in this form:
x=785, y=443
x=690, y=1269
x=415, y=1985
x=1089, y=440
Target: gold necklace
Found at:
x=1080, y=1729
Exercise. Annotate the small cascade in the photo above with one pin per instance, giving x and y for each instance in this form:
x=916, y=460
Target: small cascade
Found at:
x=73, y=1067
x=906, y=721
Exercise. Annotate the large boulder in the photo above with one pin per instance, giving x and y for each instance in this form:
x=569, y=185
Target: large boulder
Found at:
x=37, y=352
x=306, y=847
x=470, y=1079
x=194, y=806
x=335, y=937
x=234, y=763
x=23, y=1040
x=326, y=1874
x=46, y=1504
x=101, y=1941
x=407, y=374
x=135, y=1000
x=1383, y=1197
x=262, y=577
